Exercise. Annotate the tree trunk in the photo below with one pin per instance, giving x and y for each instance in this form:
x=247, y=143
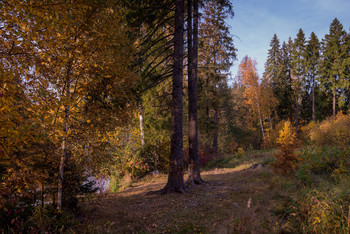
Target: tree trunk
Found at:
x=176, y=170
x=42, y=196
x=334, y=99
x=297, y=113
x=193, y=166
x=142, y=133
x=64, y=156
x=271, y=126
x=259, y=113
x=261, y=123
x=216, y=131
x=313, y=99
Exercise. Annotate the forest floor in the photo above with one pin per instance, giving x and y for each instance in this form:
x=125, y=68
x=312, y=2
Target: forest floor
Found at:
x=235, y=200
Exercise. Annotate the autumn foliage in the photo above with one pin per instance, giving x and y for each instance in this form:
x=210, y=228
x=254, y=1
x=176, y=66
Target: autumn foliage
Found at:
x=332, y=131
x=258, y=96
x=286, y=159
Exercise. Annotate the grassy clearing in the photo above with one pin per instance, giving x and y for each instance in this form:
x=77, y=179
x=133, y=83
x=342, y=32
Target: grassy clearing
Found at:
x=244, y=161
x=236, y=199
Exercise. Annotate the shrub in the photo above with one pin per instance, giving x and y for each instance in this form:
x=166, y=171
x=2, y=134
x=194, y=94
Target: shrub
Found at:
x=323, y=206
x=206, y=154
x=323, y=209
x=204, y=158
x=286, y=160
x=332, y=131
x=240, y=153
x=114, y=183
x=156, y=156
x=14, y=212
x=330, y=161
x=271, y=136
x=50, y=220
x=19, y=217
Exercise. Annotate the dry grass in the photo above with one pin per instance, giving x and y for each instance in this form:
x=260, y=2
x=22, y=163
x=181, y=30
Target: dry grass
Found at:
x=236, y=200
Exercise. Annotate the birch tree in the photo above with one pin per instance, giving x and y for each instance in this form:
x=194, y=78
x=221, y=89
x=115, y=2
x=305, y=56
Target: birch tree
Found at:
x=252, y=92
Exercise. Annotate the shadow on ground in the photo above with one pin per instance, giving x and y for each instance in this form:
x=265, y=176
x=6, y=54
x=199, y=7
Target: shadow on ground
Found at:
x=232, y=201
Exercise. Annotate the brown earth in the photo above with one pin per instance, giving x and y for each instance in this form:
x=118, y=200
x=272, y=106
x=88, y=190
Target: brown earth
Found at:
x=235, y=200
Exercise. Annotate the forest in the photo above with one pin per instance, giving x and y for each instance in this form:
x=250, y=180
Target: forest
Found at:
x=123, y=116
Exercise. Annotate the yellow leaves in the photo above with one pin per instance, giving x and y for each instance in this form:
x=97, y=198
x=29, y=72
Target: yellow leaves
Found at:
x=59, y=59
x=24, y=27
x=316, y=220
x=334, y=130
x=287, y=135
x=286, y=160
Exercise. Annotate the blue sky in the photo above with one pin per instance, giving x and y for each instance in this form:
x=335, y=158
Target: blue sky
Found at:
x=256, y=21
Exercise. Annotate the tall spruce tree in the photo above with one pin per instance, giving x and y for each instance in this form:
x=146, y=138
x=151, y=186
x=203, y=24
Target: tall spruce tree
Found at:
x=283, y=88
x=346, y=52
x=333, y=62
x=192, y=58
x=176, y=169
x=312, y=57
x=273, y=61
x=272, y=76
x=298, y=71
x=215, y=58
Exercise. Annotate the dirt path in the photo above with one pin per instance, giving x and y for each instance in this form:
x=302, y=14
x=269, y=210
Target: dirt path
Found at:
x=233, y=201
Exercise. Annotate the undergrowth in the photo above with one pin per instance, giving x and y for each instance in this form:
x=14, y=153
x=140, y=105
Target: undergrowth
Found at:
x=243, y=159
x=322, y=203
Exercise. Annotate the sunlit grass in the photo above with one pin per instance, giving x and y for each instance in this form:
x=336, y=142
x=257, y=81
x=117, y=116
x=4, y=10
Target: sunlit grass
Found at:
x=219, y=206
x=237, y=199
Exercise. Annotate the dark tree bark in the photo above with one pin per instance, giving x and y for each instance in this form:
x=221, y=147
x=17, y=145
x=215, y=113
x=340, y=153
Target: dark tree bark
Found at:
x=334, y=99
x=313, y=98
x=216, y=131
x=194, y=176
x=297, y=113
x=176, y=170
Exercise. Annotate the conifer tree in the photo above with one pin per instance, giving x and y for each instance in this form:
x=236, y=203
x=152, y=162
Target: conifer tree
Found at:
x=271, y=75
x=283, y=88
x=215, y=58
x=298, y=71
x=333, y=62
x=273, y=61
x=176, y=170
x=192, y=48
x=312, y=57
x=346, y=52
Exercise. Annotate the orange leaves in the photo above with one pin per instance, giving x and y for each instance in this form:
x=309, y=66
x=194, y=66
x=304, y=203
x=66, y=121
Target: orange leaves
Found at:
x=332, y=131
x=248, y=72
x=287, y=136
x=250, y=80
x=286, y=160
